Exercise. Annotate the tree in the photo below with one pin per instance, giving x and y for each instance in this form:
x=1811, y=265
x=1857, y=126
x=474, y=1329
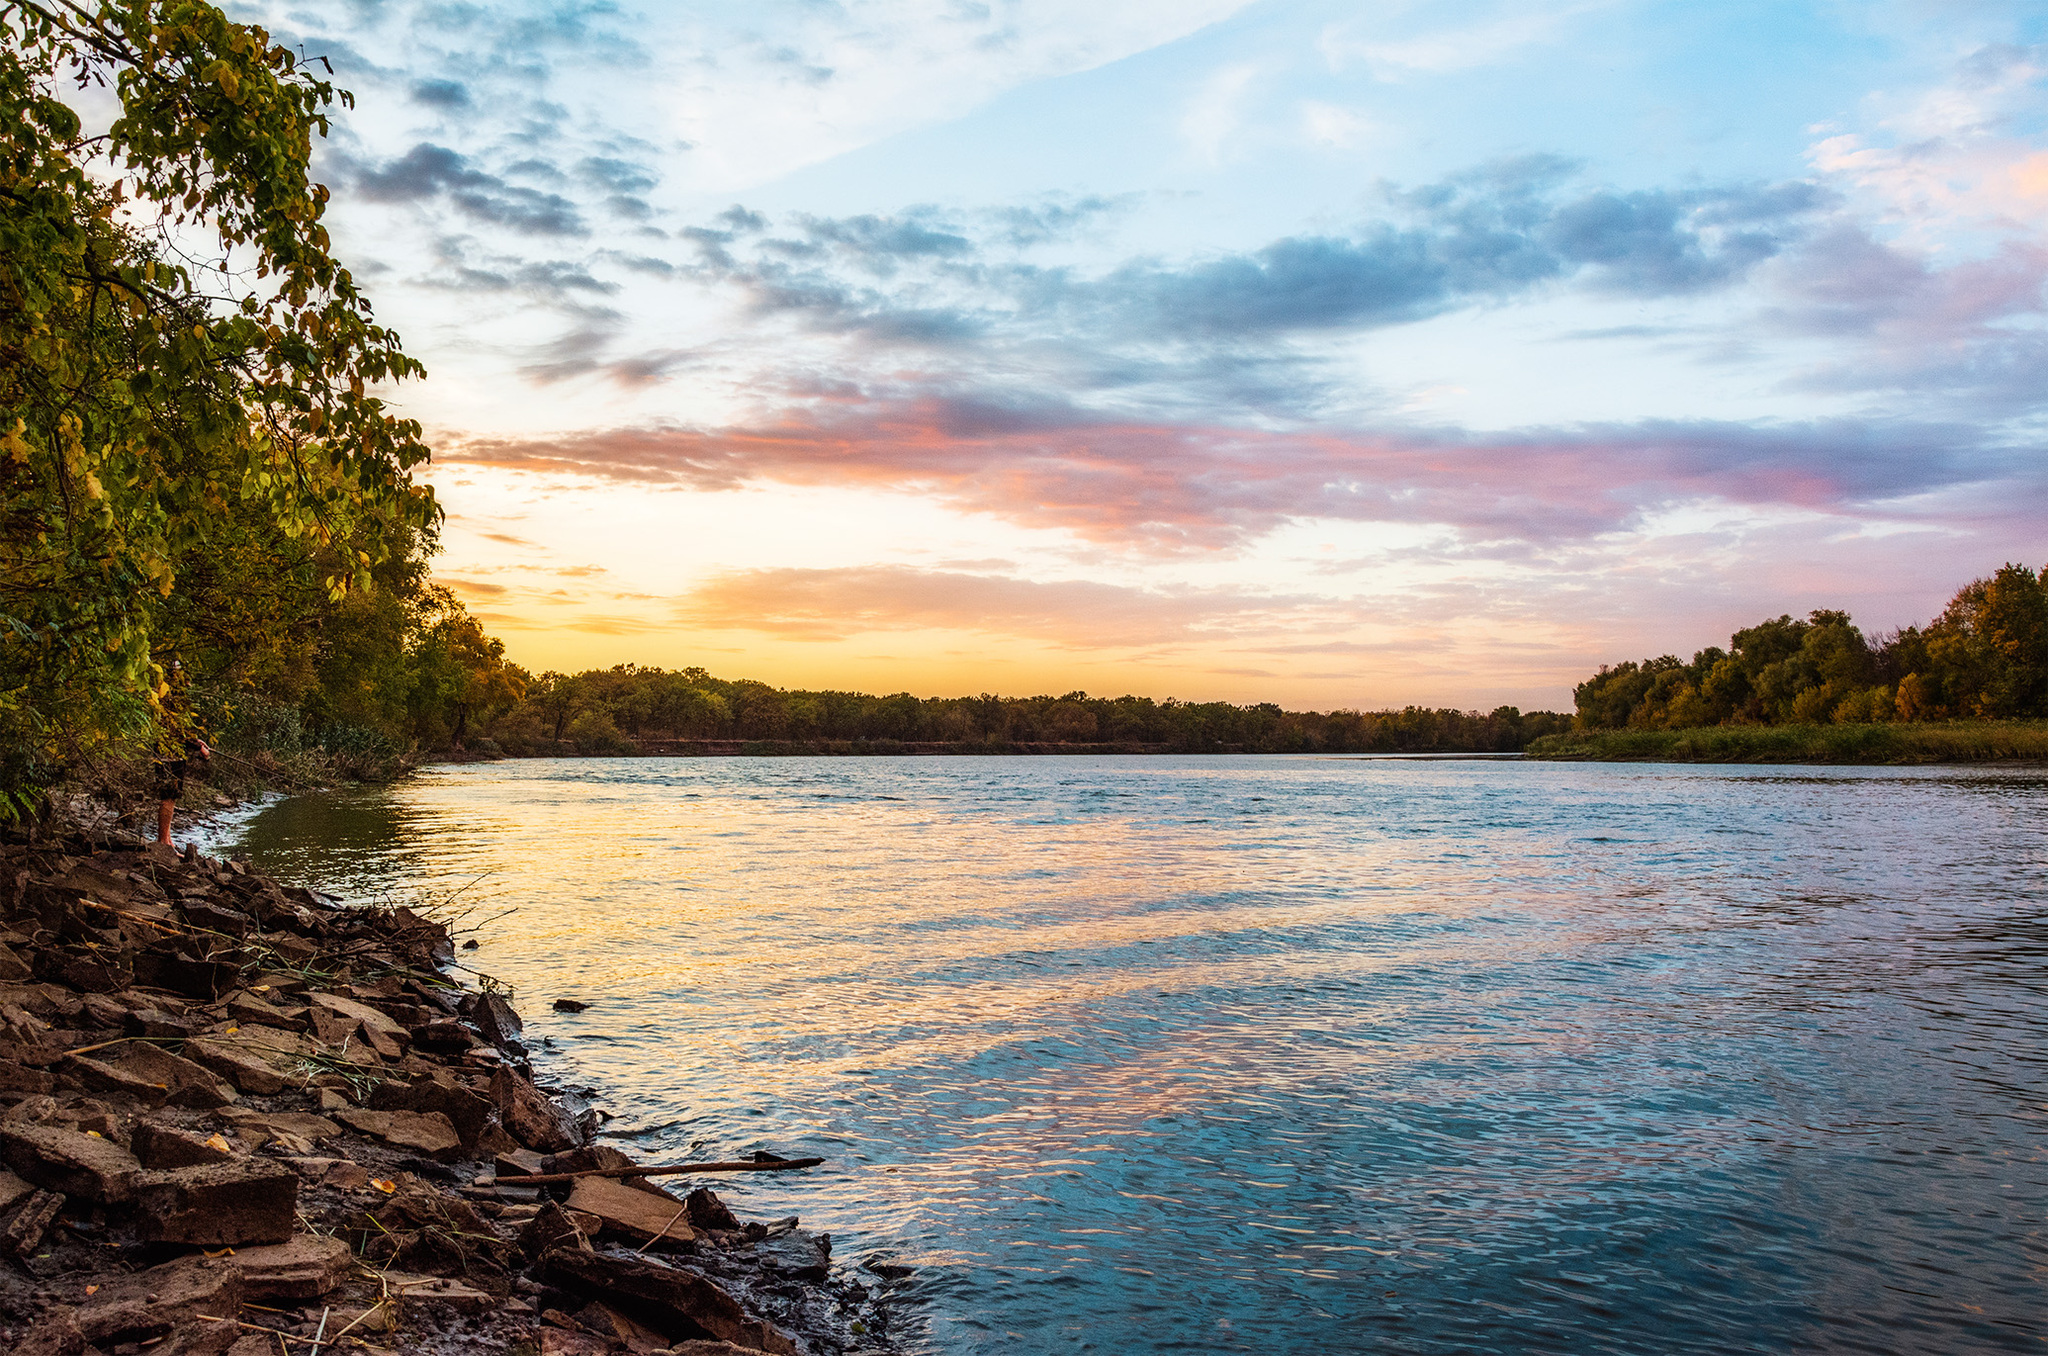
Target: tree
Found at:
x=177, y=347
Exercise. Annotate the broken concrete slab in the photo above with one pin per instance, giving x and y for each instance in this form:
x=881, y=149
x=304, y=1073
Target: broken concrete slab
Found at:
x=245, y=1200
x=152, y=1303
x=304, y=1266
x=68, y=1161
x=640, y=1215
x=679, y=1303
x=159, y=1146
x=429, y=1132
x=188, y=1084
x=244, y=1068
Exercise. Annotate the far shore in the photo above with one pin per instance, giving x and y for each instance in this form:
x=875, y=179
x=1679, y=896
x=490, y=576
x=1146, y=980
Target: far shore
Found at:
x=1963, y=741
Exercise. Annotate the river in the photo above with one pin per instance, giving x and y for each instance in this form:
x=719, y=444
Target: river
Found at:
x=1296, y=1055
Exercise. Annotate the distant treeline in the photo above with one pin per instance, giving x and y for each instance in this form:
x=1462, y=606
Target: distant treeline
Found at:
x=629, y=708
x=1984, y=657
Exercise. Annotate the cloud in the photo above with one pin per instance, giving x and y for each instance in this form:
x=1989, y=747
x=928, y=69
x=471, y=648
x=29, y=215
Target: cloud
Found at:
x=934, y=279
x=1168, y=486
x=832, y=604
x=429, y=173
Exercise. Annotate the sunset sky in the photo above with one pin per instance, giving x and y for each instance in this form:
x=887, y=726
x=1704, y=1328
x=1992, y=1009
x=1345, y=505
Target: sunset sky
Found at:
x=1328, y=354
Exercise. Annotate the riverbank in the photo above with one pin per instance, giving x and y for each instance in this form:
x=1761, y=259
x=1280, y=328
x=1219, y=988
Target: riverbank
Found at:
x=236, y=1117
x=1981, y=741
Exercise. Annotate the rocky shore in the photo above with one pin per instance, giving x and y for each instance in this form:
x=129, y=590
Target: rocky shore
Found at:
x=236, y=1117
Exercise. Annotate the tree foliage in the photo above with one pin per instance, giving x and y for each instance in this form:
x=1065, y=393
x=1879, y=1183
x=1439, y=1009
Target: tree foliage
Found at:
x=188, y=377
x=1985, y=656
x=618, y=709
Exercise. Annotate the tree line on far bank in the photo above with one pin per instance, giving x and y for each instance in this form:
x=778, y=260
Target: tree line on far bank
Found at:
x=1984, y=657
x=628, y=707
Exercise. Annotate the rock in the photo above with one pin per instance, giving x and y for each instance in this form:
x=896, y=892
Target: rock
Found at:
x=374, y=1023
x=343, y=1174
x=701, y=1347
x=154, y=1021
x=156, y=1145
x=562, y=1342
x=552, y=1227
x=680, y=1303
x=24, y=1233
x=528, y=1114
x=471, y=1113
x=245, y=1070
x=264, y=1126
x=602, y=1319
x=16, y=1077
x=519, y=1163
x=802, y=1257
x=13, y=969
x=56, y=1335
x=495, y=1018
x=81, y=1165
x=437, y=1290
x=103, y=1077
x=709, y=1212
x=429, y=1133
x=570, y=1005
x=187, y=1084
x=245, y=1200
x=640, y=1215
x=12, y=1189
x=255, y=1010
x=303, y=1267
x=152, y=1303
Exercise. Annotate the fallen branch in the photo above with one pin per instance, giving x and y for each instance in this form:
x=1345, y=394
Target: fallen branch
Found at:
x=663, y=1170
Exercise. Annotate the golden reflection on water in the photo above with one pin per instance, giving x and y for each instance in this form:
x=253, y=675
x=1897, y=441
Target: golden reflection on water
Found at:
x=1379, y=1046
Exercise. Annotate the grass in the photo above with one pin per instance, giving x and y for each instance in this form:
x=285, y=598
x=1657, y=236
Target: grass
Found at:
x=1961, y=741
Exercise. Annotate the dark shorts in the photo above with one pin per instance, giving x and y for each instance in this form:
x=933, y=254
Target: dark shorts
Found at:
x=170, y=778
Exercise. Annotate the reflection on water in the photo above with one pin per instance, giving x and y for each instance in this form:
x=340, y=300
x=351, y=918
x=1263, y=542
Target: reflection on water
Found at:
x=1300, y=1055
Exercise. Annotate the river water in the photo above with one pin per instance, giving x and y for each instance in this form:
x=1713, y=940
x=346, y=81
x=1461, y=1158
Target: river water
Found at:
x=1297, y=1055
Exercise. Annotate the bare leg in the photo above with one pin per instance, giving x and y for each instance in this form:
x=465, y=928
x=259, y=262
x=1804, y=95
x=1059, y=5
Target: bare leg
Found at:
x=163, y=820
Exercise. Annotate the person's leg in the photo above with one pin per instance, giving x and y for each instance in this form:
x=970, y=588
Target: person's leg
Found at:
x=170, y=784
x=164, y=810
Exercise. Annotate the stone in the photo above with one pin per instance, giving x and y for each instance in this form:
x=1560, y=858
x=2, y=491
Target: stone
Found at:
x=570, y=1005
x=24, y=1233
x=428, y=1133
x=103, y=1077
x=495, y=1018
x=528, y=1114
x=152, y=1303
x=803, y=1257
x=255, y=1010
x=70, y=1162
x=471, y=1113
x=437, y=1290
x=519, y=1163
x=552, y=1227
x=153, y=1021
x=157, y=1145
x=680, y=1303
x=56, y=1335
x=245, y=1200
x=263, y=1126
x=187, y=1084
x=601, y=1318
x=245, y=1070
x=701, y=1347
x=563, y=1342
x=372, y=1020
x=16, y=1077
x=303, y=1267
x=343, y=1174
x=12, y=1189
x=707, y=1211
x=640, y=1215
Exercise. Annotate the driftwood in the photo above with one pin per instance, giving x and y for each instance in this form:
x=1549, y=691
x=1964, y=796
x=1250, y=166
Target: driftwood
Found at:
x=662, y=1170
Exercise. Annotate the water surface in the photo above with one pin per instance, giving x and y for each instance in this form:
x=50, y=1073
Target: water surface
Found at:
x=1298, y=1055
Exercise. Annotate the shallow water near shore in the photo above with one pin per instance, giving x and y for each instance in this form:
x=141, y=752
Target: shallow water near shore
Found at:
x=1297, y=1055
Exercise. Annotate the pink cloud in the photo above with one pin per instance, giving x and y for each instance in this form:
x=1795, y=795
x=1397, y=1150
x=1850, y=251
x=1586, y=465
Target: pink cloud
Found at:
x=1204, y=485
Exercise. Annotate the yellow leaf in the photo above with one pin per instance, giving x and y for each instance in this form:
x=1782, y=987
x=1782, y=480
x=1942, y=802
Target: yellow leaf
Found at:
x=388, y=1188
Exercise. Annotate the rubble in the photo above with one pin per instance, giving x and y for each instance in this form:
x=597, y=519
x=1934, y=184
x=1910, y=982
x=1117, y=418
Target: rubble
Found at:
x=235, y=1114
